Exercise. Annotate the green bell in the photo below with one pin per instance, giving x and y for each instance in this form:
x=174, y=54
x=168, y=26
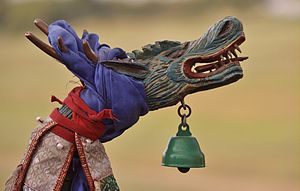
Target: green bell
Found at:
x=183, y=151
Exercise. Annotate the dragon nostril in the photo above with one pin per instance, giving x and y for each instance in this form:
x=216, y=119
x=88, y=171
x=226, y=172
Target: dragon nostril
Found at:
x=225, y=28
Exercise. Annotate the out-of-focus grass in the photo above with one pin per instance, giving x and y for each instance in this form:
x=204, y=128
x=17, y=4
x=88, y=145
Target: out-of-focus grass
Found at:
x=249, y=131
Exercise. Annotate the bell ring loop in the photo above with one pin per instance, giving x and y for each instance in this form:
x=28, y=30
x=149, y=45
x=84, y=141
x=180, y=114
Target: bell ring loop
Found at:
x=184, y=127
x=184, y=107
x=183, y=120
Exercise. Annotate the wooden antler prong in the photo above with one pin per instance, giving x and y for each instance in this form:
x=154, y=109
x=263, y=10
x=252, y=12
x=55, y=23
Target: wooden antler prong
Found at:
x=90, y=54
x=62, y=47
x=41, y=45
x=39, y=23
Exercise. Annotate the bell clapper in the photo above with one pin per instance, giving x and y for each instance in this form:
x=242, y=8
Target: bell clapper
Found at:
x=183, y=170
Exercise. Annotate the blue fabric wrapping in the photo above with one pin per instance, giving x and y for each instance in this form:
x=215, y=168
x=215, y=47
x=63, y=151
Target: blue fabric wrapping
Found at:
x=80, y=182
x=104, y=88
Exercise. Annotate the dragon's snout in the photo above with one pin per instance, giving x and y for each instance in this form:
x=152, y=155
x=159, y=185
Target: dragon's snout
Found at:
x=216, y=51
x=227, y=25
x=213, y=60
x=211, y=64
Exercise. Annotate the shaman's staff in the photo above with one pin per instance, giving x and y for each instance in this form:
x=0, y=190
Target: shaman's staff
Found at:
x=65, y=150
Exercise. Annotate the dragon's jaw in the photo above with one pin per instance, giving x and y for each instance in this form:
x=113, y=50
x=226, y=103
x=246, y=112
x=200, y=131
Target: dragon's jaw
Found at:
x=213, y=60
x=216, y=69
x=205, y=66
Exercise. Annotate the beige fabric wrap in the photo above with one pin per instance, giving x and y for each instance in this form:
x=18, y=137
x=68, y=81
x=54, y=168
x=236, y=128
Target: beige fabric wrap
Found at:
x=50, y=157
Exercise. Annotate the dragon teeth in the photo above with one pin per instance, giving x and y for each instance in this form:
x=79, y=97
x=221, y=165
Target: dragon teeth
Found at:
x=238, y=48
x=226, y=56
x=234, y=53
x=193, y=69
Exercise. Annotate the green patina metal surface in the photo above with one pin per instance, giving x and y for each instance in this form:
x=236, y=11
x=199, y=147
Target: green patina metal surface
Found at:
x=183, y=150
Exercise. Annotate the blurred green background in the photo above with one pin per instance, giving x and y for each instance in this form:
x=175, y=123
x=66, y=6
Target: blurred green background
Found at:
x=249, y=131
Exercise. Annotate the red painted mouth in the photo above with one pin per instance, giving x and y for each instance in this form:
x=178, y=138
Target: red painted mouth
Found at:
x=208, y=65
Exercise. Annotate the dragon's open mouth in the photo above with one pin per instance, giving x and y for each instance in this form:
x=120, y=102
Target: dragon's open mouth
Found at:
x=204, y=66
